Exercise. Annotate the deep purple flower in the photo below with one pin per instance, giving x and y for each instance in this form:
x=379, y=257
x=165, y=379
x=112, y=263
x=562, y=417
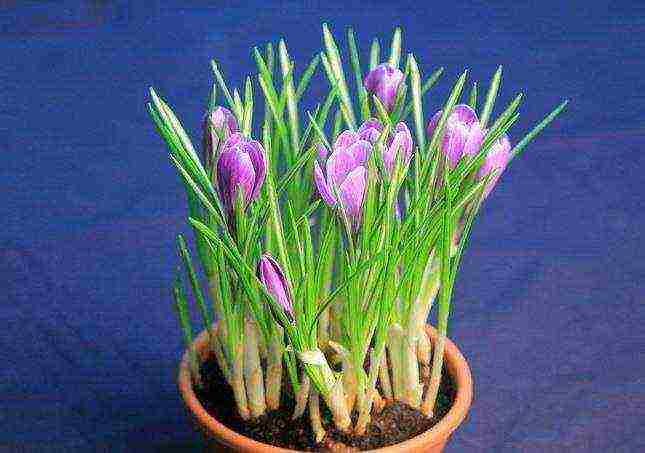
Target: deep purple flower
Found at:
x=463, y=135
x=271, y=275
x=384, y=81
x=346, y=175
x=219, y=122
x=241, y=168
x=496, y=160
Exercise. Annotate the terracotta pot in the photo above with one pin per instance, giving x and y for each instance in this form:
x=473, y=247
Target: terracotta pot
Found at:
x=222, y=439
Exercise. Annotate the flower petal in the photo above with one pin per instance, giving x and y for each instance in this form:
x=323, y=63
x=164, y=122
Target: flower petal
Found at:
x=345, y=139
x=324, y=190
x=401, y=143
x=432, y=124
x=475, y=138
x=453, y=145
x=463, y=113
x=496, y=160
x=361, y=151
x=235, y=172
x=384, y=81
x=256, y=153
x=339, y=164
x=271, y=275
x=370, y=130
x=351, y=193
x=323, y=152
x=371, y=123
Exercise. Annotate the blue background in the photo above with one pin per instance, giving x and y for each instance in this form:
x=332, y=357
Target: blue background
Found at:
x=549, y=306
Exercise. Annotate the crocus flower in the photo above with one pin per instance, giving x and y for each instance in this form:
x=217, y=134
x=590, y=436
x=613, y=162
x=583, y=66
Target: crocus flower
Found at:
x=384, y=81
x=399, y=141
x=241, y=168
x=496, y=160
x=273, y=279
x=346, y=175
x=219, y=122
x=370, y=130
x=463, y=135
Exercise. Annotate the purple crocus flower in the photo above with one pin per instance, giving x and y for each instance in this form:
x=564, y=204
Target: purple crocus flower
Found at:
x=399, y=141
x=346, y=175
x=496, y=160
x=463, y=135
x=271, y=275
x=384, y=81
x=370, y=130
x=219, y=122
x=241, y=168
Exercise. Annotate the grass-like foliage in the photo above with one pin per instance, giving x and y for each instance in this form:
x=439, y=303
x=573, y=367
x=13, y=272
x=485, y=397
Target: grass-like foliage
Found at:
x=324, y=237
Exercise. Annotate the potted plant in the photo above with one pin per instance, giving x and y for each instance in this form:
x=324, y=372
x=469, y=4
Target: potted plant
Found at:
x=325, y=238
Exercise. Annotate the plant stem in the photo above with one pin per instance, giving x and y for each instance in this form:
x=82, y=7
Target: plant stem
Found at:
x=335, y=399
x=253, y=369
x=314, y=415
x=424, y=352
x=350, y=382
x=220, y=356
x=396, y=365
x=237, y=382
x=274, y=369
x=412, y=388
x=365, y=406
x=435, y=377
x=429, y=289
x=323, y=328
x=384, y=378
x=301, y=396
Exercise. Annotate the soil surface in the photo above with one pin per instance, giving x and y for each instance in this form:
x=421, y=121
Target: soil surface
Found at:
x=396, y=423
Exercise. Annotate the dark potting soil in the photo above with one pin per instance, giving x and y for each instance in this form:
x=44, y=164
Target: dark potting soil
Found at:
x=396, y=423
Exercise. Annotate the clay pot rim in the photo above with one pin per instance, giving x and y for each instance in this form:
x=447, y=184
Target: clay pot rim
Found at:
x=453, y=358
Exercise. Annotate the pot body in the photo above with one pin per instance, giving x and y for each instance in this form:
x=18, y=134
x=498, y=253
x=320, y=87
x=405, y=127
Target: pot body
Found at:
x=219, y=438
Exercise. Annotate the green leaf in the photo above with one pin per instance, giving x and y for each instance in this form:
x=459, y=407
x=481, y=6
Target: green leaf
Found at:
x=472, y=97
x=336, y=65
x=192, y=276
x=375, y=51
x=528, y=138
x=227, y=94
x=248, y=108
x=306, y=76
x=181, y=305
x=292, y=100
x=432, y=80
x=491, y=95
x=358, y=74
x=508, y=112
x=417, y=106
x=212, y=99
x=395, y=48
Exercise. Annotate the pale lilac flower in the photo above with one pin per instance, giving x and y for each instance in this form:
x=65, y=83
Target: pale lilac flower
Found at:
x=384, y=81
x=496, y=160
x=241, y=168
x=219, y=122
x=270, y=274
x=345, y=175
x=463, y=135
x=370, y=130
x=399, y=142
